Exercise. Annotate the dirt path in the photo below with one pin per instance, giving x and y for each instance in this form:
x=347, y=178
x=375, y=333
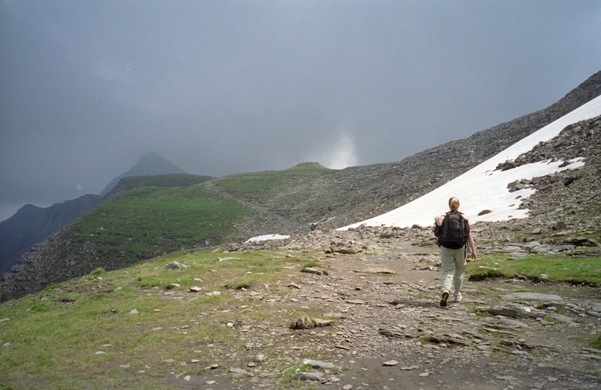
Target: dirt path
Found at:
x=451, y=348
x=391, y=333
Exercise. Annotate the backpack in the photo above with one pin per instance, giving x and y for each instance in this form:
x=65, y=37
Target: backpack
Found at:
x=453, y=232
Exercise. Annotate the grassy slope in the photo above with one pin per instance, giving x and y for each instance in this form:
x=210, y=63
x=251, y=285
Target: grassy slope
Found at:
x=576, y=270
x=147, y=221
x=82, y=334
x=165, y=213
x=154, y=215
x=275, y=188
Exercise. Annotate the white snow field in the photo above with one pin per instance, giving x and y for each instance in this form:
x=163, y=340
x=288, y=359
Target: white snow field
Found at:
x=267, y=237
x=483, y=187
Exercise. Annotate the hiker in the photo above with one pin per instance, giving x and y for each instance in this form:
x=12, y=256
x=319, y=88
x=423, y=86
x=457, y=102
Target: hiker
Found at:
x=453, y=232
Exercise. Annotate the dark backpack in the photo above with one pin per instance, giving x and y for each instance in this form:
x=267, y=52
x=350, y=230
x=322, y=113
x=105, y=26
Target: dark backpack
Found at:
x=453, y=232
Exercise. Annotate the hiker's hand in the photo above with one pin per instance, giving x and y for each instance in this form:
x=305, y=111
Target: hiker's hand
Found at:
x=474, y=256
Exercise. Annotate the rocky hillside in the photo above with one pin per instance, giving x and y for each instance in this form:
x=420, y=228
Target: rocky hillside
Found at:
x=358, y=193
x=32, y=224
x=288, y=201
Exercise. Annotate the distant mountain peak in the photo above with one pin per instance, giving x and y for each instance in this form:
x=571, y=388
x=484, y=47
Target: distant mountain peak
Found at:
x=149, y=164
x=152, y=163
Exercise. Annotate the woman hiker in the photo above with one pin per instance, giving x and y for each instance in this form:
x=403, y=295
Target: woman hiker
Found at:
x=453, y=232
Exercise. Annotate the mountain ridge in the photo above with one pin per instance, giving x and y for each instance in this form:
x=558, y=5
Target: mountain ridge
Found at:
x=289, y=201
x=31, y=224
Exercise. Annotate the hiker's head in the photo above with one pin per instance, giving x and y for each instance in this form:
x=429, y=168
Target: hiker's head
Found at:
x=454, y=203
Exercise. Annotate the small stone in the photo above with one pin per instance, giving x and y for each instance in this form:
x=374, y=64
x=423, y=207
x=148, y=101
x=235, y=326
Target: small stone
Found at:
x=303, y=322
x=320, y=323
x=134, y=311
x=409, y=368
x=308, y=376
x=315, y=271
x=238, y=373
x=318, y=364
x=345, y=347
x=378, y=270
x=195, y=289
x=175, y=266
x=390, y=363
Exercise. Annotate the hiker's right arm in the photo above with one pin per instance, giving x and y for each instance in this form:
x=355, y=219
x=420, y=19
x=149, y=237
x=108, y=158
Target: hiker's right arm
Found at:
x=470, y=241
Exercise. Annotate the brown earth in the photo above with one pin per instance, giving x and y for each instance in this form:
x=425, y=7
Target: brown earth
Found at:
x=389, y=331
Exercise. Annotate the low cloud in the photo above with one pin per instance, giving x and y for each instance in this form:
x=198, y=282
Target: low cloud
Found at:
x=338, y=154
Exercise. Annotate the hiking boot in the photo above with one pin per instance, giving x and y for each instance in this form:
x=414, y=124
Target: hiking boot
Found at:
x=444, y=298
x=458, y=297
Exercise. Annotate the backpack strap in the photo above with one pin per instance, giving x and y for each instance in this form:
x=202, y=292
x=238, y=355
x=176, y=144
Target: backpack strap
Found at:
x=445, y=224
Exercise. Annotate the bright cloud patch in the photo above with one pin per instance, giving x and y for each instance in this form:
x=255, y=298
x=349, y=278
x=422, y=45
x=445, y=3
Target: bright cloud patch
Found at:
x=343, y=154
x=338, y=154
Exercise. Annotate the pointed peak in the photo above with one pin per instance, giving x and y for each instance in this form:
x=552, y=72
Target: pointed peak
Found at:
x=152, y=163
x=149, y=164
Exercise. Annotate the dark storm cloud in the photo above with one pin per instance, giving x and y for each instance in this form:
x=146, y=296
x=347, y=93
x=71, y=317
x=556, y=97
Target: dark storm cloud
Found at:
x=220, y=87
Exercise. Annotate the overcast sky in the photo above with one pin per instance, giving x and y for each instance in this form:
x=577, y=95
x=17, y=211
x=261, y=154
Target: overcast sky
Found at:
x=222, y=87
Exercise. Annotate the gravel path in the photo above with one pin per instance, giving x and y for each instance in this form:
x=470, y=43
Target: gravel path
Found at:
x=389, y=331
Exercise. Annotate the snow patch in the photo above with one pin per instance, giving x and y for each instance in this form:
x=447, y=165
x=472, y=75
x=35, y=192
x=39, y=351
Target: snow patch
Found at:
x=484, y=187
x=267, y=237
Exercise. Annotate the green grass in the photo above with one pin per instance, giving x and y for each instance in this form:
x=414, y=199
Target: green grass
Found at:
x=287, y=376
x=277, y=189
x=149, y=221
x=312, y=264
x=169, y=180
x=596, y=342
x=559, y=268
x=82, y=333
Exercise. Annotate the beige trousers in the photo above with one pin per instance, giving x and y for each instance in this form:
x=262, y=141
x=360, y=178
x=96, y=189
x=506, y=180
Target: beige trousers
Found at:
x=452, y=266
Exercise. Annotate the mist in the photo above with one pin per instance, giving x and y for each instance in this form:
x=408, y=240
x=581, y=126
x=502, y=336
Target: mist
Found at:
x=226, y=87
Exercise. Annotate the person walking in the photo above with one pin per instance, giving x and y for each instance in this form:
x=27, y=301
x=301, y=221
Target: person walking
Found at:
x=453, y=232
